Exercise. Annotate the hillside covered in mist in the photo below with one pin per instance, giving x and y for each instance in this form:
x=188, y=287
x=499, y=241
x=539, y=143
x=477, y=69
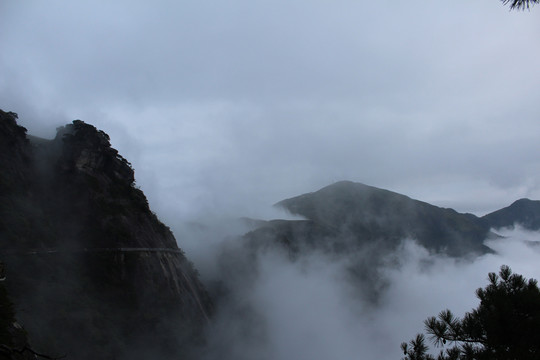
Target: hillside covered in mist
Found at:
x=364, y=215
x=91, y=272
x=367, y=226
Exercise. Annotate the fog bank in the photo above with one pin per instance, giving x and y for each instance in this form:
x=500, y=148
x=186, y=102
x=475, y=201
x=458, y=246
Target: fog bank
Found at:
x=310, y=308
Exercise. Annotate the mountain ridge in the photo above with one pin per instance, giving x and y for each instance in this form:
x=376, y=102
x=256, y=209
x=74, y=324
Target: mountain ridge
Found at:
x=524, y=212
x=365, y=226
x=371, y=214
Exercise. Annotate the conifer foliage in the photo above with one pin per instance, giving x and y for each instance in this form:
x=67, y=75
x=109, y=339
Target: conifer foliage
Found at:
x=520, y=4
x=506, y=324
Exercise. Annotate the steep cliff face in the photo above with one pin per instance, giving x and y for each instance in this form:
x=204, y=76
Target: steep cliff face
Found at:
x=94, y=273
x=16, y=180
x=13, y=341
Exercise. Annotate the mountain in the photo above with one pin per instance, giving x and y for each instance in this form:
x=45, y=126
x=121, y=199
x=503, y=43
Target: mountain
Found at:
x=523, y=212
x=361, y=226
x=368, y=214
x=364, y=226
x=91, y=270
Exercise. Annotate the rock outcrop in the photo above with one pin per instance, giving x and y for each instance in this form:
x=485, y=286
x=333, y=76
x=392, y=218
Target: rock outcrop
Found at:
x=13, y=340
x=94, y=273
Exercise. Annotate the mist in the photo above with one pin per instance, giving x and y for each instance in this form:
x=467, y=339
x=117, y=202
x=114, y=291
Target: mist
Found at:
x=217, y=103
x=226, y=108
x=275, y=307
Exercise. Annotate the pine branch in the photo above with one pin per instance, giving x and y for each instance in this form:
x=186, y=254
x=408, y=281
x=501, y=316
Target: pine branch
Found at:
x=520, y=4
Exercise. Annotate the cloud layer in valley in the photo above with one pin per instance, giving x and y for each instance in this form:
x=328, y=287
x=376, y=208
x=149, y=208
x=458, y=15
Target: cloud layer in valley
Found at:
x=309, y=309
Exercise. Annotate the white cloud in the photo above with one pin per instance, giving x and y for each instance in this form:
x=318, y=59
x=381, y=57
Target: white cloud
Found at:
x=307, y=309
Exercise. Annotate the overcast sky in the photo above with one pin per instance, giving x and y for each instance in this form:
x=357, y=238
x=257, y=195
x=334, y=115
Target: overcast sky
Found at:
x=227, y=107
x=231, y=106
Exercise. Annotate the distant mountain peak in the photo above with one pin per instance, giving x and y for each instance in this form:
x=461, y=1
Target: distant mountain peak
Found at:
x=372, y=214
x=524, y=212
x=522, y=201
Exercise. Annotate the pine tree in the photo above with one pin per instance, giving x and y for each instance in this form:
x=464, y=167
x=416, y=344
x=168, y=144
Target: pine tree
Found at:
x=506, y=324
x=520, y=4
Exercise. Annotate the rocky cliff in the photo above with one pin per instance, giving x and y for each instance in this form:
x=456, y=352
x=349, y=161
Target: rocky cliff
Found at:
x=93, y=272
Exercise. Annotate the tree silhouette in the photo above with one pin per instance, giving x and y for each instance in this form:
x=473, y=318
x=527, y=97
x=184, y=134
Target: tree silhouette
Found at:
x=506, y=324
x=520, y=4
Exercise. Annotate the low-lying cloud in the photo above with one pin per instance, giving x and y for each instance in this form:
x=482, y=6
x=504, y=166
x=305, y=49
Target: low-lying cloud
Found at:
x=310, y=309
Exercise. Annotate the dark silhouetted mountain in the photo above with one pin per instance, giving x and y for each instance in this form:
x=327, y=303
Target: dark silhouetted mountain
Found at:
x=523, y=212
x=364, y=225
x=91, y=270
x=365, y=214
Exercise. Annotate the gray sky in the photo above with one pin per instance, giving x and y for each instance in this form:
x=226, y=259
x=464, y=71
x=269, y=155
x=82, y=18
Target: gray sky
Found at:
x=226, y=107
x=231, y=106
